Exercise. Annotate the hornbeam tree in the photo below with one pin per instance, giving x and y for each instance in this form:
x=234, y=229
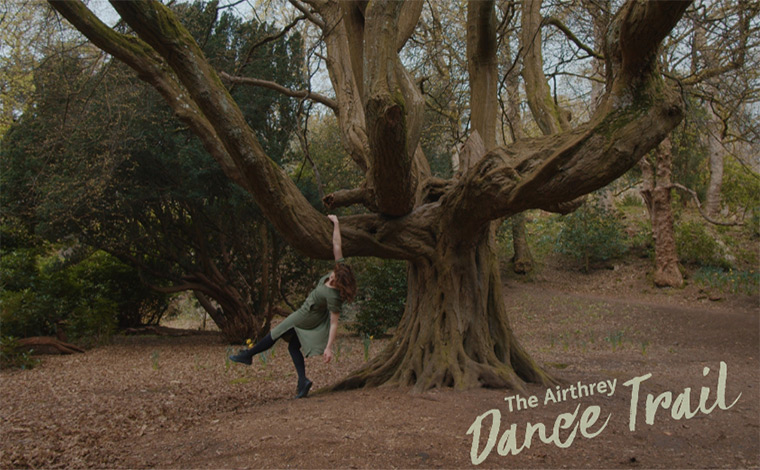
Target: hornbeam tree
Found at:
x=455, y=330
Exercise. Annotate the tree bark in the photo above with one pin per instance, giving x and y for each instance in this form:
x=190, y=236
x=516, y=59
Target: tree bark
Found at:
x=657, y=187
x=472, y=344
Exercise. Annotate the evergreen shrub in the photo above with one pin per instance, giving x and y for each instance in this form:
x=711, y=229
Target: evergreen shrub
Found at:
x=591, y=233
x=13, y=357
x=382, y=297
x=696, y=246
x=43, y=290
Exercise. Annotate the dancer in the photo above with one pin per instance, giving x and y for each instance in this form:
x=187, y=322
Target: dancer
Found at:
x=313, y=327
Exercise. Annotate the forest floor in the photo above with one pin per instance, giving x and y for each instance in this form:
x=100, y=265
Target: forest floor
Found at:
x=161, y=402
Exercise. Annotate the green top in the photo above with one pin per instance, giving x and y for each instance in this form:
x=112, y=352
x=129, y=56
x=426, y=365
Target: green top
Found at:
x=312, y=320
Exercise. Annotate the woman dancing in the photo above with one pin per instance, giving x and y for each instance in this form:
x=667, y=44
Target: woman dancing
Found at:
x=313, y=327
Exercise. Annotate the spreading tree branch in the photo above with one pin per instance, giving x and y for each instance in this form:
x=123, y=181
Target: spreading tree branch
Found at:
x=636, y=114
x=307, y=13
x=268, y=39
x=303, y=94
x=349, y=197
x=572, y=37
x=699, y=206
x=215, y=118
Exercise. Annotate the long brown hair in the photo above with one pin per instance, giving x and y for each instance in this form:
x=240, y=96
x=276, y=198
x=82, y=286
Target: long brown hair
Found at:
x=344, y=281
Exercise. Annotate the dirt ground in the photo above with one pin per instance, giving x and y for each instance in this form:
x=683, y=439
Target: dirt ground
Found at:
x=151, y=402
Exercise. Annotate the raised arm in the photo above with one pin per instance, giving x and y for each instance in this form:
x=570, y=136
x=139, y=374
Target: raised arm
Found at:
x=337, y=249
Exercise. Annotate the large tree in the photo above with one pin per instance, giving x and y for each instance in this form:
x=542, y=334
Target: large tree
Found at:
x=455, y=330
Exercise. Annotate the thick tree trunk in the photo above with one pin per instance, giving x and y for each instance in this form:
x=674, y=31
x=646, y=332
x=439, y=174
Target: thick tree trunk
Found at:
x=656, y=192
x=455, y=331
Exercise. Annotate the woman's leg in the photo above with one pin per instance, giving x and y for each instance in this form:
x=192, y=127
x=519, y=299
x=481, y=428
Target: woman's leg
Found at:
x=294, y=348
x=245, y=356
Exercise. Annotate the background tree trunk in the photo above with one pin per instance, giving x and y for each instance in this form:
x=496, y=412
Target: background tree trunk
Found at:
x=656, y=192
x=522, y=261
x=716, y=153
x=547, y=114
x=600, y=15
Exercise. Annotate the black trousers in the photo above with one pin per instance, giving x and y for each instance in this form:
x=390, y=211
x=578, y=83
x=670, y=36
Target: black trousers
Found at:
x=294, y=348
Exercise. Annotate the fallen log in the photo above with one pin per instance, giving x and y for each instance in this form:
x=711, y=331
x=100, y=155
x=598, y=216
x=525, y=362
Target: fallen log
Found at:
x=166, y=331
x=48, y=345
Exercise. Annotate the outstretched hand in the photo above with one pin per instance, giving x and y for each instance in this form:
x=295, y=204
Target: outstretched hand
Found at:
x=327, y=355
x=333, y=218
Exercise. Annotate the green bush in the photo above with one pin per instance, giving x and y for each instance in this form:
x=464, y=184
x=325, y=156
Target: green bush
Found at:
x=631, y=199
x=93, y=321
x=640, y=241
x=741, y=189
x=25, y=313
x=592, y=233
x=543, y=232
x=696, y=246
x=13, y=357
x=18, y=268
x=116, y=286
x=382, y=296
x=91, y=294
